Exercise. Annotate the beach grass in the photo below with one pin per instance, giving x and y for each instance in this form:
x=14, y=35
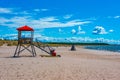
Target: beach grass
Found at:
x=8, y=42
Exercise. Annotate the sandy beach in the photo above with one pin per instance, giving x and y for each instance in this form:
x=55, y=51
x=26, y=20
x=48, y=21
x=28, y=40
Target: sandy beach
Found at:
x=82, y=64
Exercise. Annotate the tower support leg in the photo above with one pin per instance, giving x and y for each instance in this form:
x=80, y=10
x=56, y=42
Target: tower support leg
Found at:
x=16, y=51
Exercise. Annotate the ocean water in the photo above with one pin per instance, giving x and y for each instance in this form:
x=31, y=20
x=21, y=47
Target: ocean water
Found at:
x=113, y=48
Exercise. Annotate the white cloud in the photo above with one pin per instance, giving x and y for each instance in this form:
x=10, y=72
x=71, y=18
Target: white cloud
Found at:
x=44, y=9
x=67, y=16
x=72, y=39
x=5, y=10
x=24, y=12
x=38, y=10
x=80, y=31
x=26, y=18
x=45, y=22
x=116, y=17
x=99, y=30
x=18, y=11
x=74, y=23
x=111, y=30
x=3, y=20
x=79, y=28
x=73, y=31
x=47, y=19
x=13, y=11
x=78, y=39
x=14, y=22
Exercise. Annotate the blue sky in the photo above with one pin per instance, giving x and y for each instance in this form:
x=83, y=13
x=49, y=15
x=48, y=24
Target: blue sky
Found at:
x=80, y=20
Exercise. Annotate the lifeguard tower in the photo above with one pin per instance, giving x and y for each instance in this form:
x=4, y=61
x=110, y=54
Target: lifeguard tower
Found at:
x=25, y=40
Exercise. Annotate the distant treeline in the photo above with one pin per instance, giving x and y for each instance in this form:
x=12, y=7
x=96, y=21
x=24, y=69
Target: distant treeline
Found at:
x=14, y=43
x=66, y=43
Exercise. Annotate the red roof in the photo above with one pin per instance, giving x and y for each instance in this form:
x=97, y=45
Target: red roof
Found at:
x=25, y=28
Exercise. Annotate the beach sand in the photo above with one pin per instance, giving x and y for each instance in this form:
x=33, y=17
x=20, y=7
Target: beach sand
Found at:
x=82, y=64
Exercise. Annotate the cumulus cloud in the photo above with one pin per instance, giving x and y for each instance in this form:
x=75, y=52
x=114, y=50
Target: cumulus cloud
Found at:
x=73, y=31
x=99, y=30
x=80, y=31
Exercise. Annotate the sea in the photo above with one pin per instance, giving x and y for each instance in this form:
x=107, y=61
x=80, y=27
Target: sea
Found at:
x=113, y=48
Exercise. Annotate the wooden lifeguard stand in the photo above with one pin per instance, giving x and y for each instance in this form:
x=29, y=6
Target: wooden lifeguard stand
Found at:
x=25, y=40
